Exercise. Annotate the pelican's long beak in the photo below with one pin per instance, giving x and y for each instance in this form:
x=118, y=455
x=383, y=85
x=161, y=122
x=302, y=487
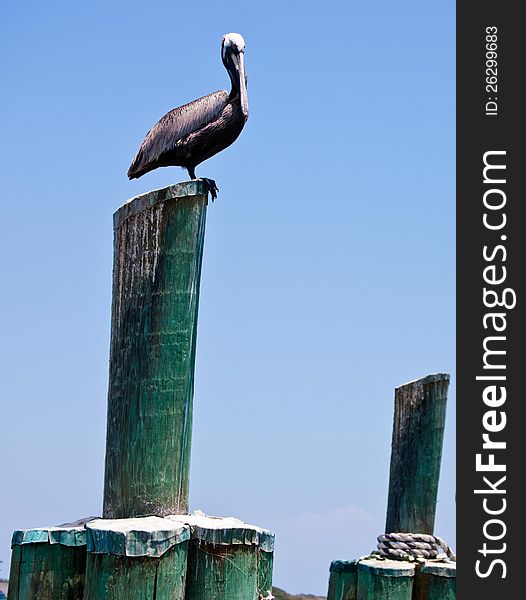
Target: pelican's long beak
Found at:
x=242, y=84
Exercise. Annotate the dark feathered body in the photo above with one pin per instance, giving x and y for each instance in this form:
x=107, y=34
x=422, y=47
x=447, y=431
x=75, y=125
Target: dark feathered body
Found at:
x=188, y=135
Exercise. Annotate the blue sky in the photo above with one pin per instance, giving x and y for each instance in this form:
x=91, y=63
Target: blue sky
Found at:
x=328, y=275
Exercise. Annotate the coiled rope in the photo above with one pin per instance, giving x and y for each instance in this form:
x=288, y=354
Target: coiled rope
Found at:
x=408, y=546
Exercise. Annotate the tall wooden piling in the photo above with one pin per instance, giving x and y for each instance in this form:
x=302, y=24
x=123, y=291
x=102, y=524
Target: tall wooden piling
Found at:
x=416, y=453
x=158, y=249
x=133, y=552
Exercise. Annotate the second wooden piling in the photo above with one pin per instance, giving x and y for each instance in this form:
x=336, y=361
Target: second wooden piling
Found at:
x=416, y=453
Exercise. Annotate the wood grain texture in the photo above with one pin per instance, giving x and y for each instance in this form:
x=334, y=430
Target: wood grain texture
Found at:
x=343, y=580
x=47, y=572
x=228, y=558
x=265, y=567
x=235, y=572
x=416, y=453
x=385, y=580
x=116, y=577
x=435, y=581
x=158, y=249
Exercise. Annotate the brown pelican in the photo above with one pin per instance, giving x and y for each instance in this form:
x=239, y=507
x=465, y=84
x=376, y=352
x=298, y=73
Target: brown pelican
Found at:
x=188, y=135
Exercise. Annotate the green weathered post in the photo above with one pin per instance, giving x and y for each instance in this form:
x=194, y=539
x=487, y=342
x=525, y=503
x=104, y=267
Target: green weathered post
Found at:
x=158, y=250
x=142, y=558
x=418, y=431
x=48, y=563
x=133, y=552
x=378, y=579
x=227, y=558
x=436, y=581
x=343, y=580
x=416, y=453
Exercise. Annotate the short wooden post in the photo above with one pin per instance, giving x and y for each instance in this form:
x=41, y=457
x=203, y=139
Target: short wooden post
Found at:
x=436, y=581
x=227, y=558
x=48, y=563
x=343, y=580
x=416, y=453
x=378, y=579
x=136, y=558
x=158, y=249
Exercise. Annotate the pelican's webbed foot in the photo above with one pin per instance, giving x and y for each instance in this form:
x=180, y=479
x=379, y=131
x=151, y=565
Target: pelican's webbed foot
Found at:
x=212, y=187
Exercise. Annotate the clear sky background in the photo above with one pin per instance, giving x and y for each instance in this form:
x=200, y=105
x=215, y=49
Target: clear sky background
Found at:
x=328, y=274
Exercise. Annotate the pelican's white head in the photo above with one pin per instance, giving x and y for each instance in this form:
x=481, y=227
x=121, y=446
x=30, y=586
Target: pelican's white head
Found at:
x=233, y=42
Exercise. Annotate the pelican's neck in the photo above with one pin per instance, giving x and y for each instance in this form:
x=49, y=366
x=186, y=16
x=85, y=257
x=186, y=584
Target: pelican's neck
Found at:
x=234, y=80
x=235, y=67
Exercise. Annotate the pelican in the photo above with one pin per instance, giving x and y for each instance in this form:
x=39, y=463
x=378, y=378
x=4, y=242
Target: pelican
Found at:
x=192, y=133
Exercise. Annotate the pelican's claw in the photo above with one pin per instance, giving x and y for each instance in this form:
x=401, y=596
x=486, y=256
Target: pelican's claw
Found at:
x=212, y=187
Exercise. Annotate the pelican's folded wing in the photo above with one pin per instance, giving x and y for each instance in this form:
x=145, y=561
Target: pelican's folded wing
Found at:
x=174, y=126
